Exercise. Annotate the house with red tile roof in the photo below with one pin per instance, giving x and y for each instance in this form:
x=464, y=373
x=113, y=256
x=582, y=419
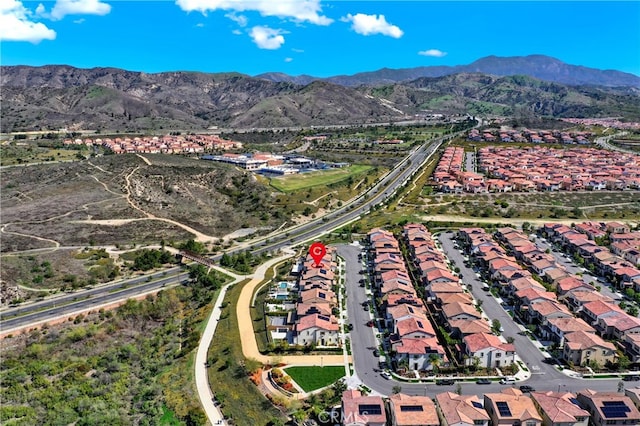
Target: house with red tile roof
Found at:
x=461, y=410
x=597, y=309
x=576, y=299
x=560, y=409
x=409, y=299
x=545, y=310
x=414, y=328
x=461, y=328
x=405, y=410
x=617, y=326
x=557, y=329
x=316, y=295
x=460, y=311
x=489, y=349
x=359, y=410
x=581, y=348
x=511, y=407
x=598, y=403
x=316, y=329
x=418, y=354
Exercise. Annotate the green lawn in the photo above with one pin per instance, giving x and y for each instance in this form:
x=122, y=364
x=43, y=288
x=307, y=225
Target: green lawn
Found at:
x=312, y=378
x=308, y=180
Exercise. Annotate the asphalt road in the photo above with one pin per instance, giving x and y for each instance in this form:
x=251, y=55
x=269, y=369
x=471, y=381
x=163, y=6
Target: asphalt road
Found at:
x=572, y=268
x=375, y=196
x=71, y=303
x=544, y=376
x=47, y=309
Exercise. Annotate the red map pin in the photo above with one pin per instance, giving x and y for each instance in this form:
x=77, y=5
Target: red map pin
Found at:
x=317, y=252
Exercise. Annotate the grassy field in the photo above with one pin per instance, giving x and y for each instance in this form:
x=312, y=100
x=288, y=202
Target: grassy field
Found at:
x=240, y=399
x=311, y=179
x=312, y=378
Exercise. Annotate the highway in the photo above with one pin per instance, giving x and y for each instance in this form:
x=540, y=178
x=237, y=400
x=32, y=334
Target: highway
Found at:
x=50, y=308
x=46, y=310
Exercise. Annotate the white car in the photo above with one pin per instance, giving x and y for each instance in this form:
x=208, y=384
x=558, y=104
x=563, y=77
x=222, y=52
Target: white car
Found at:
x=386, y=375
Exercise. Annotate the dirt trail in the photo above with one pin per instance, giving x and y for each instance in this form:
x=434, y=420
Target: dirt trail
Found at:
x=199, y=236
x=513, y=221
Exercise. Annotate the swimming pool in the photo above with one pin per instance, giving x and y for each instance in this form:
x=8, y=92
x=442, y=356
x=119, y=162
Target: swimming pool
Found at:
x=281, y=296
x=283, y=285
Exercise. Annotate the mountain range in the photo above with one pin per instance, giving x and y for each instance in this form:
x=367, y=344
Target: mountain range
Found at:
x=60, y=96
x=537, y=66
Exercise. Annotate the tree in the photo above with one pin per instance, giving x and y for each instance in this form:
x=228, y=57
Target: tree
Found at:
x=434, y=360
x=496, y=326
x=396, y=389
x=623, y=362
x=459, y=389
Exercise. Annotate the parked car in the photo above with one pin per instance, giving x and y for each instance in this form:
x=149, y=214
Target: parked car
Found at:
x=376, y=352
x=526, y=388
x=350, y=327
x=507, y=380
x=442, y=382
x=633, y=378
x=386, y=375
x=483, y=382
x=370, y=323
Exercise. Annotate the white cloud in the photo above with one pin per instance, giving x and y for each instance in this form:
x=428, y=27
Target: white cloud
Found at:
x=16, y=24
x=288, y=59
x=297, y=10
x=79, y=21
x=63, y=8
x=433, y=52
x=238, y=19
x=200, y=25
x=372, y=24
x=40, y=10
x=267, y=38
x=298, y=50
x=236, y=32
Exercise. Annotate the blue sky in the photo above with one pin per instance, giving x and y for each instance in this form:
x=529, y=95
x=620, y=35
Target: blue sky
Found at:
x=320, y=38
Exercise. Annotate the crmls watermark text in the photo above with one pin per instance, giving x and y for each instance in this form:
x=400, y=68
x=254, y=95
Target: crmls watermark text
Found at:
x=337, y=417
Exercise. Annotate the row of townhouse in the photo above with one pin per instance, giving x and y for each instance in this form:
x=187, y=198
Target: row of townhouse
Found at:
x=548, y=169
x=454, y=306
x=581, y=342
x=534, y=136
x=623, y=272
x=450, y=163
x=313, y=319
x=168, y=144
x=509, y=407
x=613, y=123
x=412, y=338
x=537, y=306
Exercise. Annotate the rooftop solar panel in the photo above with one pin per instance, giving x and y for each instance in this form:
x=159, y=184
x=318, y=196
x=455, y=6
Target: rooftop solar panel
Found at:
x=369, y=409
x=503, y=409
x=613, y=412
x=411, y=408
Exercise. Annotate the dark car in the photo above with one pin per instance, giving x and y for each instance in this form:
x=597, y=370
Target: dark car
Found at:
x=350, y=327
x=483, y=382
x=526, y=388
x=370, y=323
x=633, y=378
x=376, y=352
x=443, y=382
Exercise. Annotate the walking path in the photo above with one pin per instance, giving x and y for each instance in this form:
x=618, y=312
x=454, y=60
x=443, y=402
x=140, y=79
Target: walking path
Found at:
x=202, y=378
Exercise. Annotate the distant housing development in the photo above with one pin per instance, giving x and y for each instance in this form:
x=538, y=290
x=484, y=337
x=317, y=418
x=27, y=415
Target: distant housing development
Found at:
x=264, y=162
x=167, y=144
x=533, y=136
x=543, y=169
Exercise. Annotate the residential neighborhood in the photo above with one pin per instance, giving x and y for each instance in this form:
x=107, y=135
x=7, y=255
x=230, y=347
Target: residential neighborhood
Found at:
x=542, y=169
